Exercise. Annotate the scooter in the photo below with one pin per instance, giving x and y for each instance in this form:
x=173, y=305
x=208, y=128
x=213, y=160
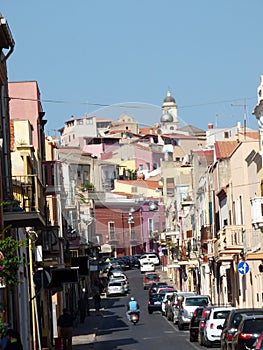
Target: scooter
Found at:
x=134, y=317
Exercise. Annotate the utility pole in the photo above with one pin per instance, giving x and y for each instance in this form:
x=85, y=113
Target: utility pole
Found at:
x=245, y=115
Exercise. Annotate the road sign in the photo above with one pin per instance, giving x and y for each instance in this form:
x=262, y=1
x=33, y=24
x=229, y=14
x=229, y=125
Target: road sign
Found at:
x=243, y=267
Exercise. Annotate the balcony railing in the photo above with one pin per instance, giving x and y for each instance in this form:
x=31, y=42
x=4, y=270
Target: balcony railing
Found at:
x=229, y=241
x=257, y=212
x=28, y=207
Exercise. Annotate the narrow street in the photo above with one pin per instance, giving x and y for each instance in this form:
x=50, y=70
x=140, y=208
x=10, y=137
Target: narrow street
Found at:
x=152, y=332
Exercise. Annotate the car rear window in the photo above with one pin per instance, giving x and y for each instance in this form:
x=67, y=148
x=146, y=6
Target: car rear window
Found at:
x=115, y=284
x=158, y=297
x=253, y=326
x=221, y=315
x=196, y=301
x=151, y=276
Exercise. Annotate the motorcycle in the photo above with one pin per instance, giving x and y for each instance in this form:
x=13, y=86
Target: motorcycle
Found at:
x=134, y=317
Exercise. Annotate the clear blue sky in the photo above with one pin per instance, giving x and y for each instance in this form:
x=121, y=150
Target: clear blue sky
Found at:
x=86, y=54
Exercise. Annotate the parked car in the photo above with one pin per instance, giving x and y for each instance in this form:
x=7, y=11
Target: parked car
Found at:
x=153, y=258
x=231, y=324
x=202, y=323
x=194, y=323
x=149, y=278
x=155, y=285
x=147, y=266
x=155, y=302
x=248, y=332
x=187, y=307
x=259, y=344
x=164, y=289
x=216, y=317
x=173, y=309
x=166, y=301
x=115, y=288
x=135, y=261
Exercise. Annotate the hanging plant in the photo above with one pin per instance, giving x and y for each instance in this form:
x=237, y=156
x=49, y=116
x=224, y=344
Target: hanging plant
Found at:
x=10, y=260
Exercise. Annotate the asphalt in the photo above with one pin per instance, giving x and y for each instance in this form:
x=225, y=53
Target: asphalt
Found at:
x=84, y=334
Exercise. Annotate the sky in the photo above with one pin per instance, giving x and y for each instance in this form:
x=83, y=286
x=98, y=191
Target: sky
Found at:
x=108, y=58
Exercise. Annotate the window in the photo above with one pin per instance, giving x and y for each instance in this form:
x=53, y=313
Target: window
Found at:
x=150, y=226
x=140, y=167
x=111, y=230
x=134, y=189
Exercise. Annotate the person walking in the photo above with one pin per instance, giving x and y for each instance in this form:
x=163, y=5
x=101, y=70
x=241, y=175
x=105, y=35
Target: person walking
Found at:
x=14, y=340
x=65, y=322
x=83, y=306
x=97, y=302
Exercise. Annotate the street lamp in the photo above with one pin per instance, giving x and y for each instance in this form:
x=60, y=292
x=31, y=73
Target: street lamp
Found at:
x=150, y=208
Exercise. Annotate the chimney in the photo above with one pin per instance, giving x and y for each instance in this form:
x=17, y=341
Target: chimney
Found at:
x=210, y=126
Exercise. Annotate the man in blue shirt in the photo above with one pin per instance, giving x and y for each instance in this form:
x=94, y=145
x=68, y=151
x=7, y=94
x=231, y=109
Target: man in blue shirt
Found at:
x=131, y=307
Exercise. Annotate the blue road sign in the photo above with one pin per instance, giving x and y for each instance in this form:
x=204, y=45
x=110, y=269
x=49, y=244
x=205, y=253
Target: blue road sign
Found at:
x=243, y=267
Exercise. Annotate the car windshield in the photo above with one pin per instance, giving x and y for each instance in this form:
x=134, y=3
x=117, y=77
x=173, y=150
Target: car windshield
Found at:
x=196, y=301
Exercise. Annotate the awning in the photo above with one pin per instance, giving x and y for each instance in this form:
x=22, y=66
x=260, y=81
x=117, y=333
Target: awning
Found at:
x=105, y=248
x=63, y=275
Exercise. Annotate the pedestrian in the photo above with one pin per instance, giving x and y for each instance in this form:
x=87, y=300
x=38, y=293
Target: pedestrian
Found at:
x=14, y=340
x=83, y=306
x=97, y=302
x=65, y=322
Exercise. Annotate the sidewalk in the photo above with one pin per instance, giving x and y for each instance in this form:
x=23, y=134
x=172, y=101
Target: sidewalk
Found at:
x=84, y=334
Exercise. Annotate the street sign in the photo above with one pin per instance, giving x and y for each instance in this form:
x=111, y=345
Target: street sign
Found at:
x=243, y=267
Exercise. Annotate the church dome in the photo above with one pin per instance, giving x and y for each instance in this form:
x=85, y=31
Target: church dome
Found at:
x=169, y=98
x=167, y=118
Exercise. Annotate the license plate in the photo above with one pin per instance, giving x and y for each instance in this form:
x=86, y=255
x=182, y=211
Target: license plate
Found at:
x=157, y=302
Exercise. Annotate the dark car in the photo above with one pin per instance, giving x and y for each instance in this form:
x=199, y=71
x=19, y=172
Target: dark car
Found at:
x=155, y=302
x=194, y=323
x=202, y=323
x=155, y=285
x=248, y=332
x=135, y=261
x=149, y=278
x=231, y=324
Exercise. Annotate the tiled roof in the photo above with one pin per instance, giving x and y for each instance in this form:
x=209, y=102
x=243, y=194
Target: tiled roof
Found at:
x=224, y=149
x=141, y=183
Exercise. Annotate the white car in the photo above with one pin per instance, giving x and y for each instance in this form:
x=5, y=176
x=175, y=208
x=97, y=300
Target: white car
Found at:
x=217, y=316
x=187, y=306
x=166, y=302
x=153, y=258
x=123, y=278
x=147, y=266
x=115, y=288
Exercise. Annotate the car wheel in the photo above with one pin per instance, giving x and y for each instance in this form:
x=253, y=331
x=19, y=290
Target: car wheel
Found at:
x=207, y=343
x=150, y=312
x=192, y=339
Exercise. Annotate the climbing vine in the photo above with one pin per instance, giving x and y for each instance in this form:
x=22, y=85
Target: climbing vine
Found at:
x=10, y=258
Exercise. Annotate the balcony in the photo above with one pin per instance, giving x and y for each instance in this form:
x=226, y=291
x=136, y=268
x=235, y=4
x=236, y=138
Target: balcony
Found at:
x=257, y=212
x=48, y=239
x=229, y=242
x=27, y=208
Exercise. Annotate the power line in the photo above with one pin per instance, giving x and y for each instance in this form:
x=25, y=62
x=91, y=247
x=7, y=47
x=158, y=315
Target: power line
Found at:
x=126, y=106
